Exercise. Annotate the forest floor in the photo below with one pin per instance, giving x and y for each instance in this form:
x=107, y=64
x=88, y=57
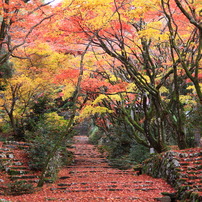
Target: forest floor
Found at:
x=90, y=178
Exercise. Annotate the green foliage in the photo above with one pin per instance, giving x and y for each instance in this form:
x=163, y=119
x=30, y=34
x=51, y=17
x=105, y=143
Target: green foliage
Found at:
x=138, y=153
x=1, y=166
x=46, y=134
x=20, y=187
x=119, y=140
x=6, y=70
x=196, y=117
x=130, y=155
x=38, y=152
x=122, y=163
x=94, y=135
x=39, y=108
x=121, y=148
x=41, y=147
x=41, y=105
x=194, y=126
x=5, y=127
x=4, y=200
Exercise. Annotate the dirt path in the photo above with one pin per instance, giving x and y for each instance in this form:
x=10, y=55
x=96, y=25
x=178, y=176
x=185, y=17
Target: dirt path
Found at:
x=91, y=179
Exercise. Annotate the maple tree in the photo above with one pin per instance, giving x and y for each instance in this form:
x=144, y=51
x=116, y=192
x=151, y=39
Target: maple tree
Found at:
x=74, y=97
x=20, y=93
x=133, y=66
x=38, y=65
x=149, y=41
x=19, y=19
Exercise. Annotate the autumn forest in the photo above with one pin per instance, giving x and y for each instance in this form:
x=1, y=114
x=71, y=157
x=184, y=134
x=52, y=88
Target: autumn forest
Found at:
x=125, y=73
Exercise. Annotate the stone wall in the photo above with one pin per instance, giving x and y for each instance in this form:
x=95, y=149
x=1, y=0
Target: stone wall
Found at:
x=181, y=168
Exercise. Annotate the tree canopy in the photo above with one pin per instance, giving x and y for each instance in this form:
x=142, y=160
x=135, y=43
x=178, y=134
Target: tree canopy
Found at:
x=124, y=63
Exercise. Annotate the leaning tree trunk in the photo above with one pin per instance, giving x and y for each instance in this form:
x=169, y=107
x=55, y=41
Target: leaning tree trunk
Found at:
x=70, y=124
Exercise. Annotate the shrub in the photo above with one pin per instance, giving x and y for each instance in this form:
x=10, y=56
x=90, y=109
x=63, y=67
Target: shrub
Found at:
x=47, y=133
x=4, y=200
x=20, y=187
x=138, y=153
x=94, y=135
x=120, y=163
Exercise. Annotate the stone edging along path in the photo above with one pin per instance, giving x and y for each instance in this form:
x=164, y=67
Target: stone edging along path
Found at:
x=182, y=169
x=90, y=178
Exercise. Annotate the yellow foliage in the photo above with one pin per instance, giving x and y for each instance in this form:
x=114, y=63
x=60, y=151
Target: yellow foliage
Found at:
x=139, y=8
x=25, y=86
x=188, y=101
x=131, y=87
x=153, y=31
x=43, y=60
x=192, y=87
x=21, y=91
x=163, y=89
x=99, y=99
x=92, y=110
x=97, y=13
x=113, y=78
x=55, y=120
x=68, y=91
x=147, y=78
x=115, y=97
x=198, y=6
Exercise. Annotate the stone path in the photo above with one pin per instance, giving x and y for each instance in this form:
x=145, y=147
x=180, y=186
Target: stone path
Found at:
x=14, y=164
x=91, y=179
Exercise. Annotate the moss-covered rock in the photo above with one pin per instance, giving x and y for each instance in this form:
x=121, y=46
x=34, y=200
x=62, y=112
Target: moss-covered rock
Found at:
x=178, y=168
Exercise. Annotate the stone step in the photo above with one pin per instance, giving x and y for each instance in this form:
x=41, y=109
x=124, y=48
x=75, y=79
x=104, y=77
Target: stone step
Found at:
x=193, y=177
x=18, y=172
x=17, y=143
x=110, y=183
x=103, y=186
x=5, y=159
x=29, y=181
x=193, y=166
x=18, y=167
x=198, y=158
x=190, y=163
x=189, y=155
x=81, y=199
x=18, y=163
x=185, y=181
x=89, y=156
x=63, y=189
x=8, y=146
x=5, y=152
x=64, y=177
x=184, y=164
x=196, y=189
x=4, y=149
x=14, y=147
x=195, y=172
x=17, y=177
x=196, y=186
x=84, y=166
x=9, y=155
x=115, y=172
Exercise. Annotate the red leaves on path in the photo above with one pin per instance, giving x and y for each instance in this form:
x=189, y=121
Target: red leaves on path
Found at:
x=91, y=179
